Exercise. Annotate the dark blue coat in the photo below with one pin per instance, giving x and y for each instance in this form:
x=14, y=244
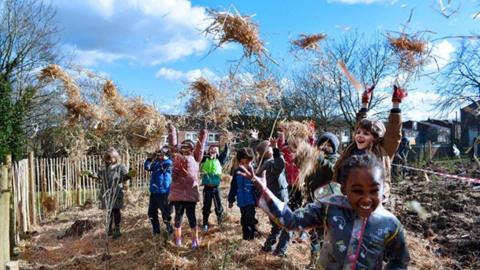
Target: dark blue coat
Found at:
x=242, y=190
x=161, y=177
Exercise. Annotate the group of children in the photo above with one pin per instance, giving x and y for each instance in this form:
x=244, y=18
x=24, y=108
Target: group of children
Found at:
x=343, y=196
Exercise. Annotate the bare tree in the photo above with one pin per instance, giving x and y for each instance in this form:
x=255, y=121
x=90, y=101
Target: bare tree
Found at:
x=459, y=81
x=368, y=60
x=27, y=42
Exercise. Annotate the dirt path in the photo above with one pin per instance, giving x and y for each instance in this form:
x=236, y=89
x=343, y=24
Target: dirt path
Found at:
x=221, y=248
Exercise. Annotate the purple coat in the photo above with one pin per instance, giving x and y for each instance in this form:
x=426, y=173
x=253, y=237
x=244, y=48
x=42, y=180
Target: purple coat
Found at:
x=186, y=174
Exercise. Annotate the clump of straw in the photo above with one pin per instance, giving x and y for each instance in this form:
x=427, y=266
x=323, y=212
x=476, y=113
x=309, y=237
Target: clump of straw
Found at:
x=410, y=50
x=308, y=42
x=145, y=126
x=227, y=28
x=306, y=157
x=295, y=130
x=113, y=99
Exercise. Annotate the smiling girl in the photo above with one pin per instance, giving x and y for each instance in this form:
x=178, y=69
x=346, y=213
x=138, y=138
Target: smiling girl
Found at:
x=360, y=233
x=371, y=136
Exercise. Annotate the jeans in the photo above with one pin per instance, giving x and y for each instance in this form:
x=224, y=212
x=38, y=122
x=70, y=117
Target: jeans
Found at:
x=272, y=239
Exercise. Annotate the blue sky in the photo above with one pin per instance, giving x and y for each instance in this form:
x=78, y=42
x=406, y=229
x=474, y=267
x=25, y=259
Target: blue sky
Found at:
x=151, y=48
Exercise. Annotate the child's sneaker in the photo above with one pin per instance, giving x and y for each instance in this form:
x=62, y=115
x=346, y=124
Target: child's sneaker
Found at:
x=116, y=233
x=205, y=228
x=194, y=243
x=178, y=241
x=267, y=249
x=220, y=219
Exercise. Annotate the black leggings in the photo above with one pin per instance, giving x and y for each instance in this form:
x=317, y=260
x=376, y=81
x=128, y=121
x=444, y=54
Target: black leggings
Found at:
x=180, y=208
x=115, y=218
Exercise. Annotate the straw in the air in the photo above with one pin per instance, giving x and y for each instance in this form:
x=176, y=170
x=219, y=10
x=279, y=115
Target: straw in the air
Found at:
x=308, y=42
x=410, y=50
x=235, y=28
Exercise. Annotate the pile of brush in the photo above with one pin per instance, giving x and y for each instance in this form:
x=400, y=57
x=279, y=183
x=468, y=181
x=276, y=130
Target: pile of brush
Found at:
x=104, y=116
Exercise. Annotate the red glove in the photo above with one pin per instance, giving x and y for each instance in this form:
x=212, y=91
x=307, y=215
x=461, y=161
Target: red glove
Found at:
x=398, y=94
x=367, y=94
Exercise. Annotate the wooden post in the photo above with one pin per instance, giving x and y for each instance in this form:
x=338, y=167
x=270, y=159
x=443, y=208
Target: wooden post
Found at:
x=5, y=213
x=31, y=192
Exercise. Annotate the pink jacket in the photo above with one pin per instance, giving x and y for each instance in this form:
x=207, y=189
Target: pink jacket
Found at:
x=185, y=171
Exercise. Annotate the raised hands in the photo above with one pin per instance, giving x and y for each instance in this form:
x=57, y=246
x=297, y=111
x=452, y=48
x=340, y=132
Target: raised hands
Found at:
x=367, y=94
x=398, y=94
x=254, y=134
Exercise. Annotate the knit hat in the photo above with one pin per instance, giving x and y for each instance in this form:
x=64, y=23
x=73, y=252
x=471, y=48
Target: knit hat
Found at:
x=375, y=126
x=327, y=136
x=188, y=143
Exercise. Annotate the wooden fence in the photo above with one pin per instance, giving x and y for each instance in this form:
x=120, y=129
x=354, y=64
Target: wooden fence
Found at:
x=42, y=186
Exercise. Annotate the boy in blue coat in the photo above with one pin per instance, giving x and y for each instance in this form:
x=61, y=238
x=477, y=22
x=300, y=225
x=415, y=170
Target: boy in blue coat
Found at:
x=243, y=191
x=160, y=180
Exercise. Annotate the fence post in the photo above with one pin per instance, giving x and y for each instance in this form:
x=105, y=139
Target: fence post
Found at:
x=32, y=190
x=5, y=213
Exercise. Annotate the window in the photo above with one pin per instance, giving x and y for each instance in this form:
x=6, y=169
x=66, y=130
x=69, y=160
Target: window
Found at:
x=191, y=136
x=213, y=137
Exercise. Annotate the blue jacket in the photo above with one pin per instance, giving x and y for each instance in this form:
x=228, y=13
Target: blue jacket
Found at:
x=242, y=189
x=161, y=177
x=350, y=241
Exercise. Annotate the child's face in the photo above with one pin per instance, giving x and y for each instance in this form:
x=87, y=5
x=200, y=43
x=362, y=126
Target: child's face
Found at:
x=245, y=162
x=326, y=147
x=362, y=191
x=363, y=138
x=213, y=151
x=186, y=150
x=109, y=160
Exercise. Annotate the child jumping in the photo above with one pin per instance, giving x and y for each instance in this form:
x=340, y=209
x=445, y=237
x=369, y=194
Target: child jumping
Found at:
x=184, y=193
x=360, y=232
x=160, y=181
x=211, y=172
x=243, y=191
x=112, y=177
x=371, y=136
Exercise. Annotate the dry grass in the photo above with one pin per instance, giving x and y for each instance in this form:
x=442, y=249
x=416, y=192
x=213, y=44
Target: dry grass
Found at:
x=296, y=131
x=411, y=50
x=308, y=42
x=306, y=157
x=113, y=99
x=235, y=28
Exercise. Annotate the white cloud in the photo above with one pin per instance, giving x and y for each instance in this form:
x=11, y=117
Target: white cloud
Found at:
x=146, y=32
x=441, y=52
x=191, y=75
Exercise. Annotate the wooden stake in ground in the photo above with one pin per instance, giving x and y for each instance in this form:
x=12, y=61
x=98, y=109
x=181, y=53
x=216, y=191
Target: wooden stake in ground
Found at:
x=5, y=214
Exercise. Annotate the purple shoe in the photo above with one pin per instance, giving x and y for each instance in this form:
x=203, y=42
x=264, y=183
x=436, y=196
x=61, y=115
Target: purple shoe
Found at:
x=194, y=244
x=178, y=241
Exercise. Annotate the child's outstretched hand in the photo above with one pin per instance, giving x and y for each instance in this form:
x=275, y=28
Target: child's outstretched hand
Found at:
x=254, y=134
x=367, y=94
x=250, y=174
x=398, y=94
x=203, y=134
x=274, y=142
